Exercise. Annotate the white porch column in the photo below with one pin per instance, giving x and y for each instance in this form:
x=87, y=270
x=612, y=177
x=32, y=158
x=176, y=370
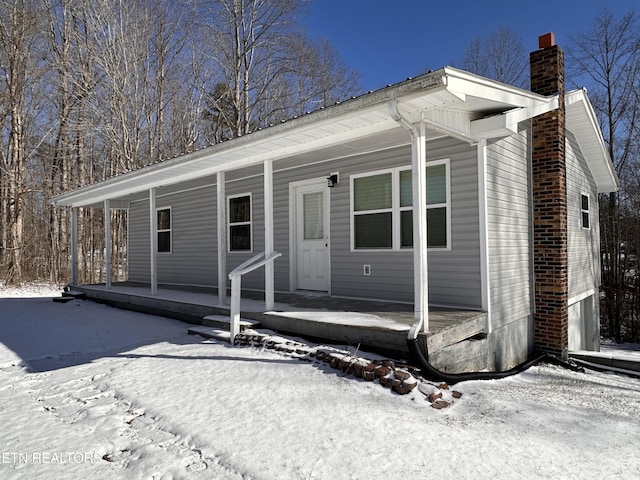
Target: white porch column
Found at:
x=107, y=243
x=153, y=240
x=485, y=283
x=222, y=238
x=419, y=191
x=74, y=246
x=269, y=295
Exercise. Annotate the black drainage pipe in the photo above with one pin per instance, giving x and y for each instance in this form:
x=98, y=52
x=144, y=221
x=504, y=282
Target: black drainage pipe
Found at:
x=431, y=373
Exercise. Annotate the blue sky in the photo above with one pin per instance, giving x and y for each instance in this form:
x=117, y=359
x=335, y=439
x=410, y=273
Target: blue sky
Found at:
x=390, y=40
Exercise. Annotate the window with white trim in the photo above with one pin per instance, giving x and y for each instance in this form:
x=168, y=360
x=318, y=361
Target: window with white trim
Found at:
x=239, y=223
x=382, y=208
x=163, y=216
x=584, y=211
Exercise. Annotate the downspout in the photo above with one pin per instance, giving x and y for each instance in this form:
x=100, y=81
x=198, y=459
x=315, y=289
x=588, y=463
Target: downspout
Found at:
x=419, y=194
x=420, y=358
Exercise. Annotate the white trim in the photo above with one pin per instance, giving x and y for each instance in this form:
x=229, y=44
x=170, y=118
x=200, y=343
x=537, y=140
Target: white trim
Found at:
x=153, y=245
x=293, y=228
x=485, y=277
x=298, y=166
x=221, y=221
x=581, y=296
x=107, y=244
x=250, y=223
x=164, y=230
x=74, y=245
x=583, y=211
x=395, y=208
x=268, y=235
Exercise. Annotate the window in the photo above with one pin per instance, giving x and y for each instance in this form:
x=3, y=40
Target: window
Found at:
x=240, y=223
x=164, y=229
x=382, y=207
x=584, y=209
x=373, y=211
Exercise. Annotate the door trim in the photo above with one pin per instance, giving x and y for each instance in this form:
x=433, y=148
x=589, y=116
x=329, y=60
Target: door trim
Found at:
x=293, y=229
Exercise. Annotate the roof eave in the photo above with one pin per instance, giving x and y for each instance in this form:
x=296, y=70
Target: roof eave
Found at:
x=583, y=123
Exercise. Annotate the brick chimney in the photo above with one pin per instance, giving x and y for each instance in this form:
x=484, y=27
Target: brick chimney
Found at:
x=549, y=203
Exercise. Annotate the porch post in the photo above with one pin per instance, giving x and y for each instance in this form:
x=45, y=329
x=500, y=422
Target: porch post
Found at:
x=153, y=240
x=485, y=279
x=222, y=237
x=107, y=243
x=74, y=246
x=419, y=188
x=269, y=295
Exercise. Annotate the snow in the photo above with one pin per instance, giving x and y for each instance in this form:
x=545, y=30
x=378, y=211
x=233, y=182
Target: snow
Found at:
x=89, y=391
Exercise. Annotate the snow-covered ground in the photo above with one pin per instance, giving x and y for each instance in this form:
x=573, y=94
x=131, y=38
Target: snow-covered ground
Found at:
x=88, y=391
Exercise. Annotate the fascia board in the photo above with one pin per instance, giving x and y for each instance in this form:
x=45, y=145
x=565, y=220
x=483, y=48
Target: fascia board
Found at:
x=600, y=162
x=211, y=159
x=464, y=83
x=506, y=123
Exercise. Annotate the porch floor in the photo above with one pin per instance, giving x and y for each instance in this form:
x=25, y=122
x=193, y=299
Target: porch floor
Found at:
x=378, y=324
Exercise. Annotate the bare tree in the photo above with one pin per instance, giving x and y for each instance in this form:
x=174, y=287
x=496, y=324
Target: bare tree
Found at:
x=605, y=58
x=249, y=48
x=92, y=88
x=20, y=70
x=500, y=56
x=319, y=77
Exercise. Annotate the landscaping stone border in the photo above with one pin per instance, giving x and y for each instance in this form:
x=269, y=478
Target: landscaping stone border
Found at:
x=394, y=374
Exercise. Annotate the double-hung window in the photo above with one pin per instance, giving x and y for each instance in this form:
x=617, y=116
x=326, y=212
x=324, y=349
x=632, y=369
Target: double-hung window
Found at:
x=240, y=223
x=584, y=210
x=382, y=208
x=164, y=229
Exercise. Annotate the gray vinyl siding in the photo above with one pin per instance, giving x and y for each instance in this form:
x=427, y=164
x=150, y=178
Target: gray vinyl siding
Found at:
x=454, y=276
x=509, y=229
x=138, y=238
x=583, y=248
x=193, y=257
x=253, y=185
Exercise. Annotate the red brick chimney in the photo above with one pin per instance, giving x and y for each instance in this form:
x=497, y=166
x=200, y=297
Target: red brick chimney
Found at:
x=549, y=203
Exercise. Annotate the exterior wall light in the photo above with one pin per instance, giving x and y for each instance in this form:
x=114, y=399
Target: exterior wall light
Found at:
x=332, y=180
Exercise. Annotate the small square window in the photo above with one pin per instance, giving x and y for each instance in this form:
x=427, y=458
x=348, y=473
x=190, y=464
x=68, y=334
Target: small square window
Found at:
x=584, y=210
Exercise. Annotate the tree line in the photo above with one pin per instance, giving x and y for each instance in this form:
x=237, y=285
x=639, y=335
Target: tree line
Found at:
x=94, y=88
x=605, y=60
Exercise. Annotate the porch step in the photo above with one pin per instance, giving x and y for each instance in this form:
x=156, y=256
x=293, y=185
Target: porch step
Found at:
x=208, y=332
x=63, y=299
x=75, y=294
x=222, y=322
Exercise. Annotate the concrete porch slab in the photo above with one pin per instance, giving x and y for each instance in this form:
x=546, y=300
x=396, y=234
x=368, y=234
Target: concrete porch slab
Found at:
x=377, y=324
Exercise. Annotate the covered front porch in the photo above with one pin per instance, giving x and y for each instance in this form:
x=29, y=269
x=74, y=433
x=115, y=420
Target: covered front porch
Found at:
x=456, y=339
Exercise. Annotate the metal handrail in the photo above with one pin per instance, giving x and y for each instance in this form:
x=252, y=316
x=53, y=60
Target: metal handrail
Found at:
x=236, y=280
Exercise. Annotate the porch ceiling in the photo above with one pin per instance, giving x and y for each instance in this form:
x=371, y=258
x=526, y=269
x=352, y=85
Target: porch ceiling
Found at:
x=448, y=97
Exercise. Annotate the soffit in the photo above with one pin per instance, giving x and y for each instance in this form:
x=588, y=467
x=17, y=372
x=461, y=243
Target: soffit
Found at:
x=360, y=124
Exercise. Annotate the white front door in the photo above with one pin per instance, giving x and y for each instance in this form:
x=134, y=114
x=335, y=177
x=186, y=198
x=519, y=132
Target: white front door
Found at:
x=312, y=236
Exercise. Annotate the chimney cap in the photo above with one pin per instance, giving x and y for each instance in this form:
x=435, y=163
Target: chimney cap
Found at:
x=547, y=40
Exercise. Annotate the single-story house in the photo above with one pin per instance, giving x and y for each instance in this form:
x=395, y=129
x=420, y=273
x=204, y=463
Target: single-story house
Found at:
x=447, y=190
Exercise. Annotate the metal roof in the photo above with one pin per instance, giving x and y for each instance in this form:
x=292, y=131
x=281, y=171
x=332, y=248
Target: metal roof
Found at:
x=449, y=100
